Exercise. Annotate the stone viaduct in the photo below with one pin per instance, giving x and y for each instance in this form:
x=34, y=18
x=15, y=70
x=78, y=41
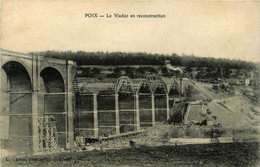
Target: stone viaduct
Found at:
x=33, y=87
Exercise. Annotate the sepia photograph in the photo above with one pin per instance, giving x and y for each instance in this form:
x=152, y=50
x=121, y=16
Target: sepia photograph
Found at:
x=129, y=83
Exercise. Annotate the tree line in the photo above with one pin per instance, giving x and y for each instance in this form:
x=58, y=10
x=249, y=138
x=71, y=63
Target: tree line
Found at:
x=131, y=58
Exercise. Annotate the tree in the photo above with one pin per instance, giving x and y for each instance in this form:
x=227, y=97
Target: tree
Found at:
x=199, y=75
x=95, y=71
x=121, y=58
x=152, y=70
x=188, y=69
x=129, y=71
x=116, y=73
x=140, y=71
x=165, y=71
x=86, y=72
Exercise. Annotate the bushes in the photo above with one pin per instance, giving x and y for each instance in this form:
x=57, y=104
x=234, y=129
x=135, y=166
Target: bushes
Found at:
x=239, y=134
x=189, y=131
x=214, y=132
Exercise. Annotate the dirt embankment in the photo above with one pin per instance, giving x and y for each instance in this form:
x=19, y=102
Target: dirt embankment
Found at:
x=230, y=108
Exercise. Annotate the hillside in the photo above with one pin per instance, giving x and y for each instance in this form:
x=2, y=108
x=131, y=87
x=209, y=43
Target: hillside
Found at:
x=230, y=108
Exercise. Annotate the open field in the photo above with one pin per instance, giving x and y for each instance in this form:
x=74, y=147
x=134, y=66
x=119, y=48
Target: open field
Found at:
x=229, y=154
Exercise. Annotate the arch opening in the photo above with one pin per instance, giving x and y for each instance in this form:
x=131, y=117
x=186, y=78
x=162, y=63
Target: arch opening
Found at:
x=142, y=86
x=159, y=87
x=126, y=104
x=54, y=101
x=160, y=93
x=174, y=91
x=144, y=91
x=53, y=80
x=17, y=95
x=18, y=77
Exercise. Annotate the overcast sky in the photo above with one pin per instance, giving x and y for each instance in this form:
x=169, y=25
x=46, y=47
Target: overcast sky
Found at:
x=205, y=29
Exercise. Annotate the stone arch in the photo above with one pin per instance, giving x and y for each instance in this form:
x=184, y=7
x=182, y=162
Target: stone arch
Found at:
x=18, y=90
x=26, y=63
x=55, y=101
x=53, y=80
x=18, y=76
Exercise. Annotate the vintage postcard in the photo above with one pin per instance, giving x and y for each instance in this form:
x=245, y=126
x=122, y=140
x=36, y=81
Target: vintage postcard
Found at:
x=129, y=83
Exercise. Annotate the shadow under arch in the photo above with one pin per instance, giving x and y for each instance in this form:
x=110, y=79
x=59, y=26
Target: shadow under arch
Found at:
x=18, y=76
x=174, y=90
x=55, y=104
x=53, y=80
x=18, y=91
